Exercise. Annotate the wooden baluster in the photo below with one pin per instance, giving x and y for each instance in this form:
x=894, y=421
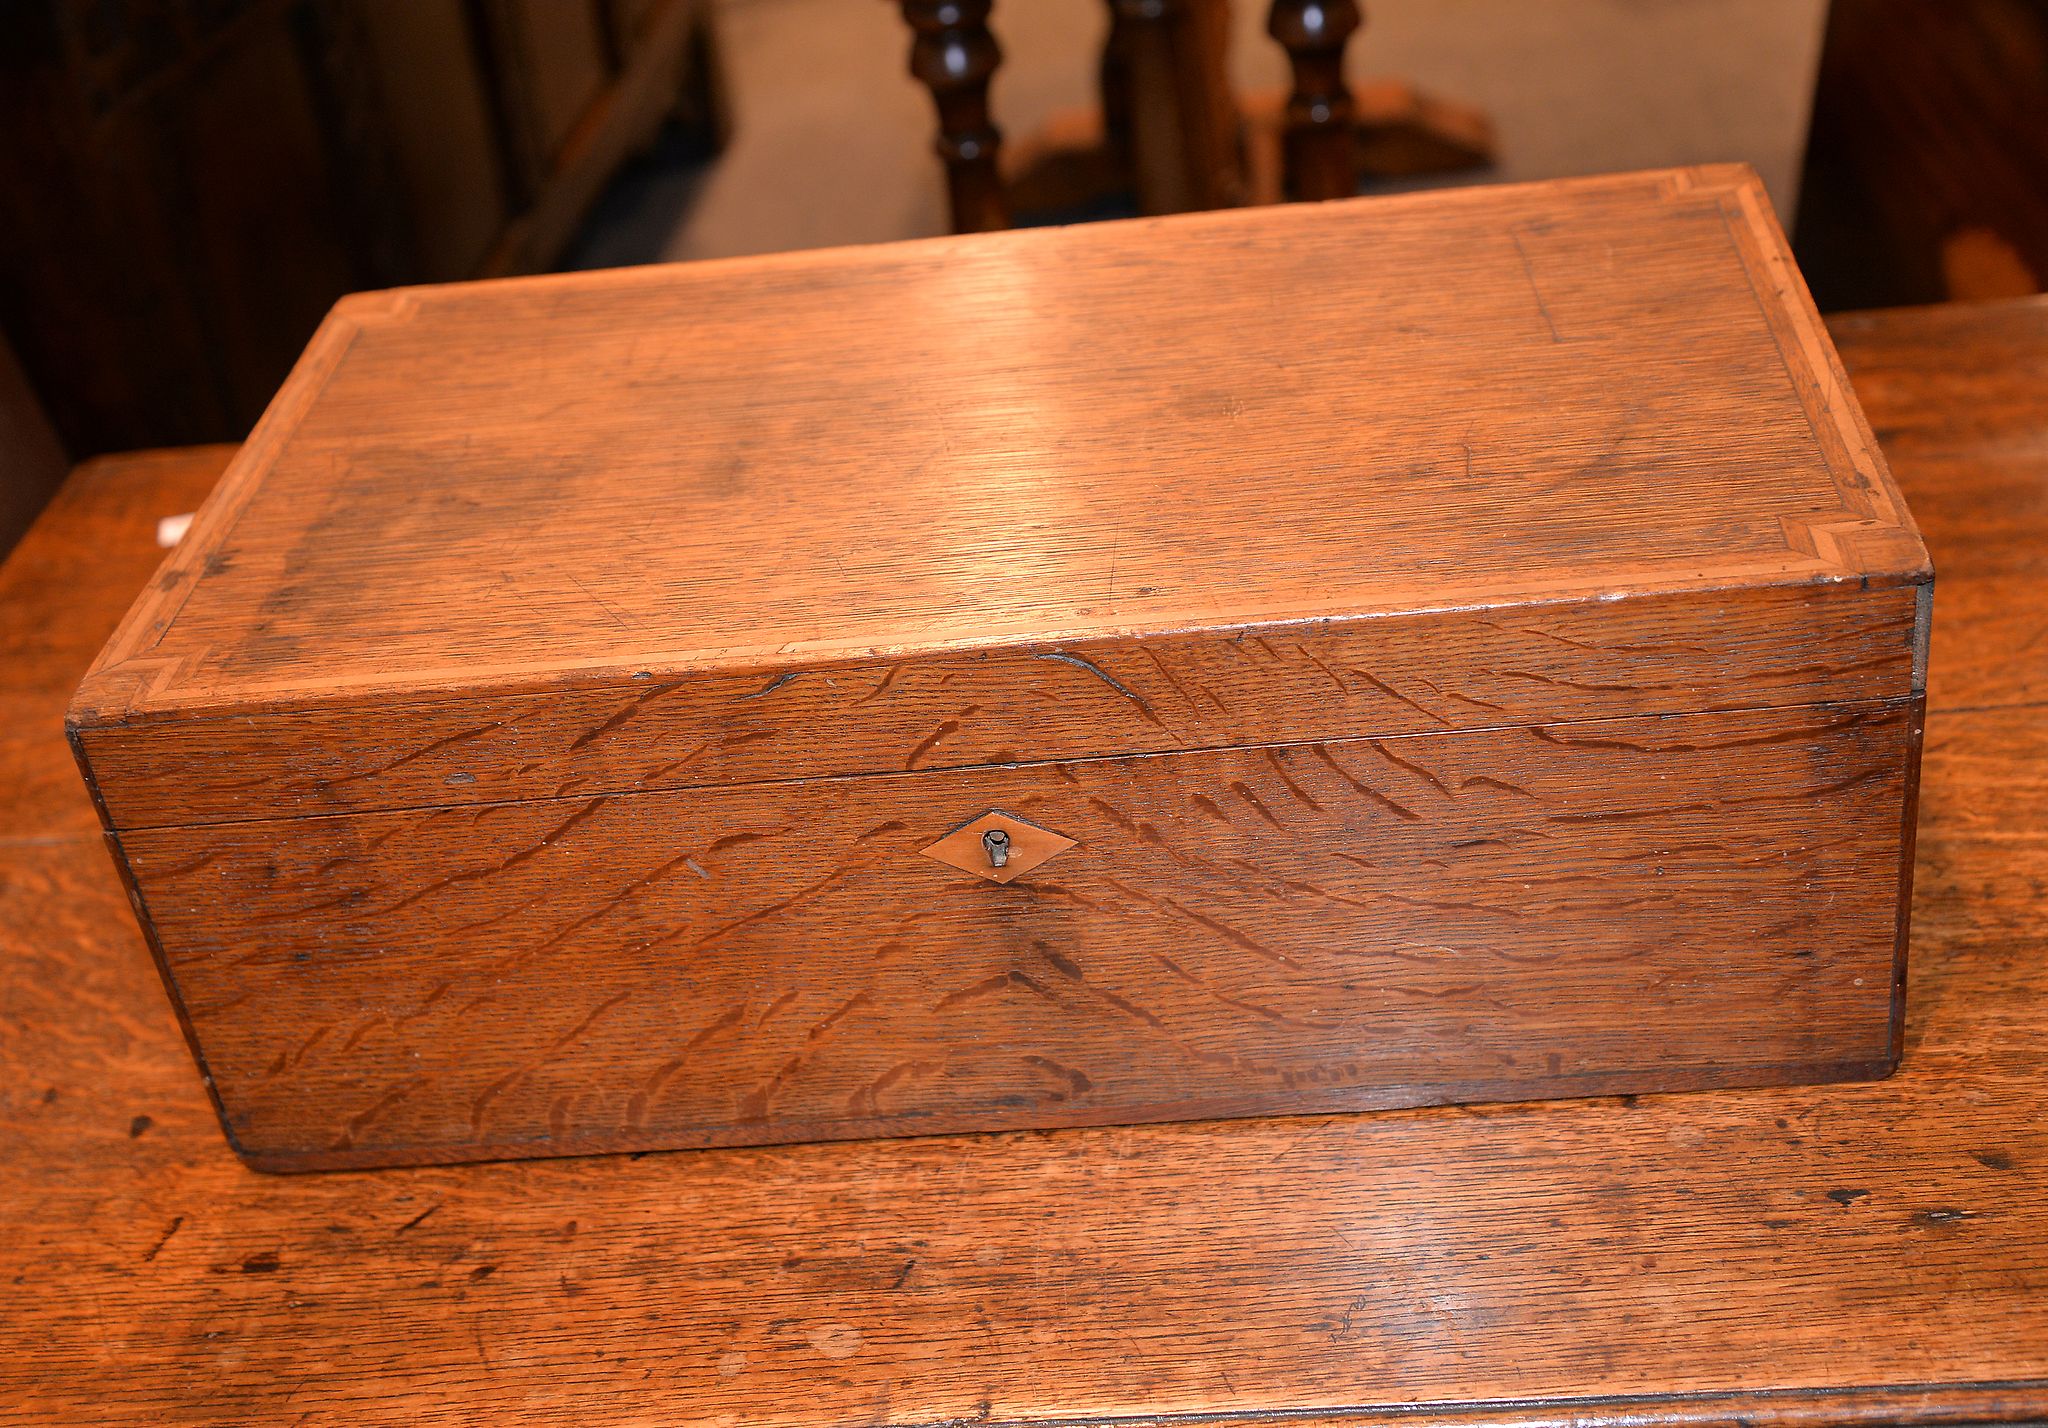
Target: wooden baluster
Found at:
x=1142, y=33
x=1321, y=144
x=954, y=55
x=1113, y=77
x=1167, y=106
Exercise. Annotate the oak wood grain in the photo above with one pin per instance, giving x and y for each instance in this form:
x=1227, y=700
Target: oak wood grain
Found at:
x=1857, y=1255
x=1628, y=905
x=1759, y=647
x=1593, y=461
x=1023, y=440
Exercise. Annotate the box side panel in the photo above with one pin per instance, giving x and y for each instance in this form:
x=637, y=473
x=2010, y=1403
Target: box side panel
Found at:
x=1750, y=647
x=1629, y=906
x=1909, y=828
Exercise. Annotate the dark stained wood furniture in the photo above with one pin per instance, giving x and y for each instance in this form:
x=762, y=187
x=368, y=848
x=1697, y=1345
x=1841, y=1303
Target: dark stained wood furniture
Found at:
x=953, y=54
x=1166, y=103
x=1168, y=131
x=1487, y=672
x=1926, y=176
x=1856, y=1255
x=186, y=186
x=1319, y=148
x=32, y=462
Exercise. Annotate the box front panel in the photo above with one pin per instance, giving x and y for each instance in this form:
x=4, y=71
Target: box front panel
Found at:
x=1621, y=905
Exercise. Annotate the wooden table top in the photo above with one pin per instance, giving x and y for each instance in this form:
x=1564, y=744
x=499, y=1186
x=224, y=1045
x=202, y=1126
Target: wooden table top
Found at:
x=1861, y=1253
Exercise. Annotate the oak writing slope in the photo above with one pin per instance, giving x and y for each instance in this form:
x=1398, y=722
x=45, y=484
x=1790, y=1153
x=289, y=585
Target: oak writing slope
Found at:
x=1378, y=653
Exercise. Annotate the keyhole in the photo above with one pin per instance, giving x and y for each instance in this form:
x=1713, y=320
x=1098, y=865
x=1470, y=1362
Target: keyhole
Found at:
x=997, y=844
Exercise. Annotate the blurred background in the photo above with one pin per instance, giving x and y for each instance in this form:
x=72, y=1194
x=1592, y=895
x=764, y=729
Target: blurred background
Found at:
x=187, y=185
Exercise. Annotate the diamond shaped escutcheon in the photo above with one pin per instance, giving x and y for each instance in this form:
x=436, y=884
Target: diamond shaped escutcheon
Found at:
x=1029, y=845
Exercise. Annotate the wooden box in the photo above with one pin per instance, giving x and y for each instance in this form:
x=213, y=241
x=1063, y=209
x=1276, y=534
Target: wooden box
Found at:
x=1462, y=646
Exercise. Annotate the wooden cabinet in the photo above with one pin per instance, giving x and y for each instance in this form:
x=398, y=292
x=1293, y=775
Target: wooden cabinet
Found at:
x=186, y=186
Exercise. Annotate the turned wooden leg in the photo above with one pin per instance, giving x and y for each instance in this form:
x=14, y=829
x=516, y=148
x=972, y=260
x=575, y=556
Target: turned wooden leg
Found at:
x=1114, y=81
x=1321, y=157
x=1167, y=104
x=954, y=55
x=1141, y=35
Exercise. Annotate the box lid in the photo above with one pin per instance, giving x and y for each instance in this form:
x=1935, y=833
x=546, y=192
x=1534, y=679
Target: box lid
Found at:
x=1490, y=456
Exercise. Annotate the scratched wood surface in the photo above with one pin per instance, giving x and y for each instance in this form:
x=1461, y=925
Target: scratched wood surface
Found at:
x=442, y=868
x=1626, y=905
x=1859, y=1254
x=846, y=525
x=1758, y=647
